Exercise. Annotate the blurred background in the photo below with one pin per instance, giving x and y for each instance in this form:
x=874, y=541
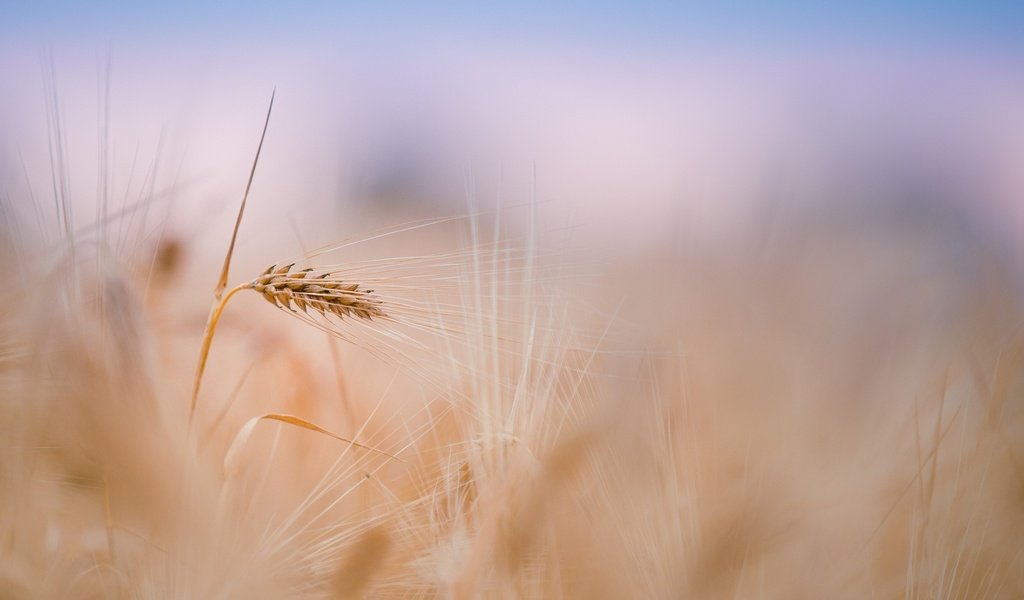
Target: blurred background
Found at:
x=803, y=220
x=639, y=121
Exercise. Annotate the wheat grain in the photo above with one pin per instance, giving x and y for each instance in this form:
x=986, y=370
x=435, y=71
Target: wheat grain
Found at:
x=323, y=293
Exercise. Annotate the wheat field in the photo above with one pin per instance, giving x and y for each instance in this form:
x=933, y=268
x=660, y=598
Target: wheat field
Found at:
x=477, y=406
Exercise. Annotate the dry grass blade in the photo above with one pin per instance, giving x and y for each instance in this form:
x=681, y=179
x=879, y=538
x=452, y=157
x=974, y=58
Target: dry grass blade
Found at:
x=223, y=281
x=245, y=433
x=218, y=292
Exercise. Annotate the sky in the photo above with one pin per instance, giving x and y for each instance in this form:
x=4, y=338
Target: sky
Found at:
x=988, y=21
x=630, y=108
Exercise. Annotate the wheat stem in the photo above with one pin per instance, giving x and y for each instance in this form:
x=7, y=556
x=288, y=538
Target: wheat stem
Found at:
x=204, y=350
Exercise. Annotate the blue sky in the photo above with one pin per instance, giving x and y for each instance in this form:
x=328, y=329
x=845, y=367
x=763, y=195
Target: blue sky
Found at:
x=1000, y=22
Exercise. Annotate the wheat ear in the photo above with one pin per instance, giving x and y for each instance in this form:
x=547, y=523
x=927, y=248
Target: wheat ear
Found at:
x=323, y=293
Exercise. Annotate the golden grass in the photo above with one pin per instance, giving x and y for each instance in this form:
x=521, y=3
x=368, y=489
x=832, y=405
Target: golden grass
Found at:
x=837, y=415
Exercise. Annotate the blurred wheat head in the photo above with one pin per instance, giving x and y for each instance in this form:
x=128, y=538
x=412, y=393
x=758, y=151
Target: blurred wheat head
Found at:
x=835, y=412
